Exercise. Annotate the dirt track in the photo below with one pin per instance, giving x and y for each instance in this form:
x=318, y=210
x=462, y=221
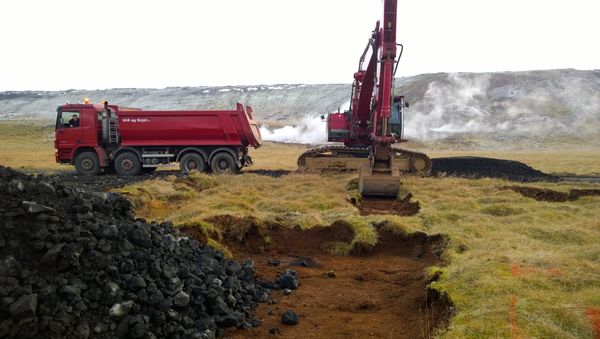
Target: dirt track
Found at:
x=380, y=292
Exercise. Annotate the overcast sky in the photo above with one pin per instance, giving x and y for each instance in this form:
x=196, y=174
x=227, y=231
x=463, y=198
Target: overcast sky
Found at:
x=82, y=44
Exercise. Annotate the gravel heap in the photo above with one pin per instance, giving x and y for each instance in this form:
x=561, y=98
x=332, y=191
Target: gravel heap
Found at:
x=77, y=264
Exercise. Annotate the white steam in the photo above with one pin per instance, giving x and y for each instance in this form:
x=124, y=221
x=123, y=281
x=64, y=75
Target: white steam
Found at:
x=310, y=130
x=450, y=107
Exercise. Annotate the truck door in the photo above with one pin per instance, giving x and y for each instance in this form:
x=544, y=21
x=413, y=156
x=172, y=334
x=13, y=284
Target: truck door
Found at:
x=68, y=132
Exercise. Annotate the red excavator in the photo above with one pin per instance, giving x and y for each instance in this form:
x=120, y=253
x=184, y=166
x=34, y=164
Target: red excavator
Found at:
x=373, y=123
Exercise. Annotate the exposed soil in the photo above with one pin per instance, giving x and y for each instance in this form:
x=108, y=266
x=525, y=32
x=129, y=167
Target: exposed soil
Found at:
x=546, y=194
x=593, y=315
x=377, y=292
x=371, y=205
x=479, y=167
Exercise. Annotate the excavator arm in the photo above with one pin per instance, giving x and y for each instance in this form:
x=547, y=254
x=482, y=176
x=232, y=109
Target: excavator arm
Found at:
x=379, y=177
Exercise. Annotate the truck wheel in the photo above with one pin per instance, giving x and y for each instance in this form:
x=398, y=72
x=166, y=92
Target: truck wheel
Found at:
x=223, y=162
x=87, y=163
x=191, y=162
x=128, y=164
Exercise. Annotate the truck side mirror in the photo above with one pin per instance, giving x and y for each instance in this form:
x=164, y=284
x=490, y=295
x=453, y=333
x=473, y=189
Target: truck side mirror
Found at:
x=406, y=104
x=322, y=117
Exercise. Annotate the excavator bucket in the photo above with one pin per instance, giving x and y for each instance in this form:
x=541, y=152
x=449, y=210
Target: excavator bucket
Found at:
x=379, y=184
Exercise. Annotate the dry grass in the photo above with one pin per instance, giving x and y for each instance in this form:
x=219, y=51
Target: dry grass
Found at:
x=277, y=156
x=515, y=267
x=28, y=146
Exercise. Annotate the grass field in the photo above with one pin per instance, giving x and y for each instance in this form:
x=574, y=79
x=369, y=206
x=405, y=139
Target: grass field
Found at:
x=28, y=146
x=514, y=267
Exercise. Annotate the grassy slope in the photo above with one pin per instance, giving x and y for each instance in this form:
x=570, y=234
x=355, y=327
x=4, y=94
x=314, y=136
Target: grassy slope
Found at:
x=515, y=266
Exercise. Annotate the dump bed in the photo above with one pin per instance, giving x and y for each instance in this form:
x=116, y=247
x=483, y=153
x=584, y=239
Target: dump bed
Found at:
x=188, y=128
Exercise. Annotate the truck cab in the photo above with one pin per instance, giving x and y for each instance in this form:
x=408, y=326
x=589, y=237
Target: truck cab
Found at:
x=78, y=127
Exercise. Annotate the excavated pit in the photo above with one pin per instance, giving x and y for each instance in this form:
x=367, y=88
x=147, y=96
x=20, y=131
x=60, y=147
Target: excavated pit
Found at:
x=402, y=207
x=378, y=291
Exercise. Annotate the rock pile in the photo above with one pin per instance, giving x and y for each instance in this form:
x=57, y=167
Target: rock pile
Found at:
x=77, y=264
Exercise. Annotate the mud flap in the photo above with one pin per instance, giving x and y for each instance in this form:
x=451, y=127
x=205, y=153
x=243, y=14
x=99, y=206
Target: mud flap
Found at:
x=247, y=160
x=378, y=184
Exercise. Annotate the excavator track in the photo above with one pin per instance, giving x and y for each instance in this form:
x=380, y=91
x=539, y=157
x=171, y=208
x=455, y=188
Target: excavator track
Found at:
x=342, y=159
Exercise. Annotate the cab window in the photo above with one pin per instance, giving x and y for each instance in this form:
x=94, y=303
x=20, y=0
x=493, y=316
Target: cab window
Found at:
x=69, y=119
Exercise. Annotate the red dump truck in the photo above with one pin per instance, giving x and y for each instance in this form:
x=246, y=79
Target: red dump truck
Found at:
x=96, y=138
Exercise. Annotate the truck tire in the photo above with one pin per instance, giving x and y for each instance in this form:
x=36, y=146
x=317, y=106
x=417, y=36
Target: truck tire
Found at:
x=223, y=162
x=192, y=162
x=87, y=163
x=128, y=164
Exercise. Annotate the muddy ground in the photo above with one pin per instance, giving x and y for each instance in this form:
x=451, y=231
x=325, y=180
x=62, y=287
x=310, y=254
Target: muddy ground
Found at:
x=379, y=292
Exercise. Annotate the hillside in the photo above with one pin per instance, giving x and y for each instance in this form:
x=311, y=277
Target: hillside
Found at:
x=462, y=109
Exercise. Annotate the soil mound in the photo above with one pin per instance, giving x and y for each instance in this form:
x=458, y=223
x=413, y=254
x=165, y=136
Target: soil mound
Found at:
x=479, y=167
x=76, y=264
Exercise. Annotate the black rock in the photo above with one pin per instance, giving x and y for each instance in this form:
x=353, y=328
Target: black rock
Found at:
x=289, y=318
x=70, y=292
x=287, y=279
x=119, y=310
x=181, y=299
x=140, y=237
x=24, y=307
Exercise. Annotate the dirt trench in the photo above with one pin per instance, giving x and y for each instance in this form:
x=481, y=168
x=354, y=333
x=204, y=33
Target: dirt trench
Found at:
x=377, y=292
x=550, y=195
x=374, y=205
